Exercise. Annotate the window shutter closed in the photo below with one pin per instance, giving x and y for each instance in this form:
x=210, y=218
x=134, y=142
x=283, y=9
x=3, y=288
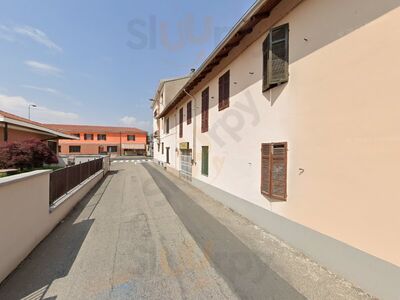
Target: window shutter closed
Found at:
x=181, y=123
x=204, y=160
x=278, y=170
x=276, y=57
x=189, y=113
x=265, y=169
x=223, y=90
x=204, y=110
x=274, y=170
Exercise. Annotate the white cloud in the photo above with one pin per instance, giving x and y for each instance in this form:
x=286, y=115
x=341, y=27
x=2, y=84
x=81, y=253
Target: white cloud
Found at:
x=37, y=36
x=6, y=34
x=132, y=121
x=43, y=68
x=43, y=89
x=19, y=106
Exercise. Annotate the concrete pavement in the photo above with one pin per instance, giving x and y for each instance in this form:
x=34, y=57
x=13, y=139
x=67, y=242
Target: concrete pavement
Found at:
x=143, y=234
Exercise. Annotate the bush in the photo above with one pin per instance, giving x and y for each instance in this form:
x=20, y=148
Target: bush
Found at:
x=28, y=154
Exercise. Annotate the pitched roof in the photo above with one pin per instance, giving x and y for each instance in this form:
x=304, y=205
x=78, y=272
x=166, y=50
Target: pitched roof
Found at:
x=260, y=10
x=23, y=122
x=18, y=118
x=94, y=129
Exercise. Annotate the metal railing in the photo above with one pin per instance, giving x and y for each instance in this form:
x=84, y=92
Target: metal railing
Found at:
x=65, y=179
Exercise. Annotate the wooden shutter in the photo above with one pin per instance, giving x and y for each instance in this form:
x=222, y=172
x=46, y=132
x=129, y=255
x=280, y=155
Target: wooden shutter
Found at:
x=266, y=169
x=278, y=171
x=189, y=113
x=204, y=160
x=274, y=170
x=204, y=110
x=181, y=123
x=223, y=91
x=276, y=57
x=167, y=125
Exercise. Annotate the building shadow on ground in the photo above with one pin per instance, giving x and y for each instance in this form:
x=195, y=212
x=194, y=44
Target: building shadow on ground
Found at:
x=55, y=255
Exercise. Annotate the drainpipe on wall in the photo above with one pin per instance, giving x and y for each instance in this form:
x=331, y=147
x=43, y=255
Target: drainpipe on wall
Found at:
x=194, y=125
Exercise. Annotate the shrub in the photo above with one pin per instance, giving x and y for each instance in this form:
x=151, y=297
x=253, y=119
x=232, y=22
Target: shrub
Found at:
x=26, y=155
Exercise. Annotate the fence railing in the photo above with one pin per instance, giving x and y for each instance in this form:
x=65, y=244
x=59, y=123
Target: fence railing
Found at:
x=64, y=180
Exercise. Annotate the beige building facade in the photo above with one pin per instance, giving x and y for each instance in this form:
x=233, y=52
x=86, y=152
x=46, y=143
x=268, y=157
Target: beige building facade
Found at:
x=312, y=156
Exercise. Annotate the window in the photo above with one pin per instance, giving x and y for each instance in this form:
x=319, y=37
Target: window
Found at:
x=167, y=149
x=189, y=113
x=162, y=148
x=204, y=110
x=53, y=146
x=155, y=113
x=88, y=136
x=74, y=149
x=77, y=135
x=59, y=148
x=112, y=149
x=276, y=57
x=274, y=170
x=204, y=160
x=223, y=85
x=158, y=147
x=101, y=137
x=181, y=122
x=131, y=137
x=167, y=125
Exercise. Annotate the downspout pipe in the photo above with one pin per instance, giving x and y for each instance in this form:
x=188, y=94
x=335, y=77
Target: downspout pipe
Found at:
x=194, y=125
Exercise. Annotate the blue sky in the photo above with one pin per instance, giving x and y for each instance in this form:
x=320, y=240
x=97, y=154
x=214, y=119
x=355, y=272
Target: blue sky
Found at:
x=99, y=61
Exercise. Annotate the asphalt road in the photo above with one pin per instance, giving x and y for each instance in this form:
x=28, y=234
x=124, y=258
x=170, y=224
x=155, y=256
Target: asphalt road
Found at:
x=143, y=235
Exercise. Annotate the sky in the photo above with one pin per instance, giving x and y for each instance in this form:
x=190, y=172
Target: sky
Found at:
x=100, y=61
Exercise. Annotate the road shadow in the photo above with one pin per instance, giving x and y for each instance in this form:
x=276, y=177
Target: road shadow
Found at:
x=247, y=275
x=54, y=257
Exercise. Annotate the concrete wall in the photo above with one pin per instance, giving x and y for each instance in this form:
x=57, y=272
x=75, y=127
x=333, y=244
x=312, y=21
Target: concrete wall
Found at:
x=339, y=114
x=25, y=215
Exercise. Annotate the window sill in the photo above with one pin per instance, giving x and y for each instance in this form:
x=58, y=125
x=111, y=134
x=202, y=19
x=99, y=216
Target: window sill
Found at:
x=222, y=107
x=274, y=199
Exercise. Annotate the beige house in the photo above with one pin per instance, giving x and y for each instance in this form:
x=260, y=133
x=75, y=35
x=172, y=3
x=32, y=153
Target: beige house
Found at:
x=293, y=121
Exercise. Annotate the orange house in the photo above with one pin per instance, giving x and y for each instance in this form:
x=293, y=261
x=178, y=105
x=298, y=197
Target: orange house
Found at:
x=115, y=141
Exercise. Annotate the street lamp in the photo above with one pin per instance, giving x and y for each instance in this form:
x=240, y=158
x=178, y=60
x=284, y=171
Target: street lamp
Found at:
x=29, y=110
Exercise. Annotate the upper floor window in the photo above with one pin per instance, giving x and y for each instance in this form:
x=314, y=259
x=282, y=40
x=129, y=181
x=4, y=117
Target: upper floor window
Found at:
x=101, y=137
x=223, y=85
x=88, y=136
x=167, y=125
x=276, y=57
x=181, y=122
x=131, y=137
x=204, y=110
x=189, y=113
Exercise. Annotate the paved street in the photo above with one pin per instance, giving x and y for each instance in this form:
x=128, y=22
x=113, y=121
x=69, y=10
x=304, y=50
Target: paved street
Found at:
x=144, y=234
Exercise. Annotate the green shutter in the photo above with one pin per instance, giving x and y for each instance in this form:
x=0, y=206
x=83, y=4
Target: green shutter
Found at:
x=204, y=160
x=276, y=57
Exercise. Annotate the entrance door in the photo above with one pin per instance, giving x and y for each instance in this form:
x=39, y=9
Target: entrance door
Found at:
x=185, y=171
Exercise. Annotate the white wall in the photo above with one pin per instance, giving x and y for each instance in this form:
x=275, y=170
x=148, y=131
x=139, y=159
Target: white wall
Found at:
x=25, y=217
x=338, y=113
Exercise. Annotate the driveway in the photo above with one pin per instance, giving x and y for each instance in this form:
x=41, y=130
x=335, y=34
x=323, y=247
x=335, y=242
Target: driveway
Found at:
x=143, y=234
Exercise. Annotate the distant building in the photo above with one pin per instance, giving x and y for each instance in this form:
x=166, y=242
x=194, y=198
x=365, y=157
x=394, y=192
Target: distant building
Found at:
x=14, y=128
x=92, y=140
